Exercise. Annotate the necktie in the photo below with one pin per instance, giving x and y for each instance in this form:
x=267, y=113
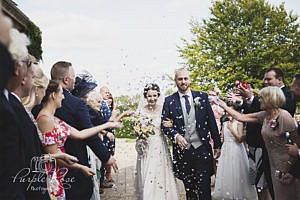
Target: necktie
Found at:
x=187, y=103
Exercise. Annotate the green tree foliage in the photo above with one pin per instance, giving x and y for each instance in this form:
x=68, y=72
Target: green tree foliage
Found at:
x=35, y=35
x=126, y=103
x=239, y=41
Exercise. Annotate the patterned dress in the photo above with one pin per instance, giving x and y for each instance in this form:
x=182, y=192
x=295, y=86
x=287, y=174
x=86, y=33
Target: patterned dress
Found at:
x=58, y=135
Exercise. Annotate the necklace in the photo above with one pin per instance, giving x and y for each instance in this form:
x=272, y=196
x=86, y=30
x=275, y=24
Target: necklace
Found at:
x=272, y=119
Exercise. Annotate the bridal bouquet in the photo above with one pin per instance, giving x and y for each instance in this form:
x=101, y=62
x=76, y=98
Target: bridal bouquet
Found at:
x=142, y=127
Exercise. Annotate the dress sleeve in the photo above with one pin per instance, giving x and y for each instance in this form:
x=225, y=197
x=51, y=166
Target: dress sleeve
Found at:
x=287, y=121
x=50, y=137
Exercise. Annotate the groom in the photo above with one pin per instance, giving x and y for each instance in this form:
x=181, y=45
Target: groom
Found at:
x=193, y=125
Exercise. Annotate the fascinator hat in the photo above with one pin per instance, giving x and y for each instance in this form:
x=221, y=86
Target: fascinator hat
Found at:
x=84, y=83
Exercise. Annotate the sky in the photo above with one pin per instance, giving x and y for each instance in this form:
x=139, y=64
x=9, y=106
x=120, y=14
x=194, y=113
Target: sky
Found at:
x=124, y=44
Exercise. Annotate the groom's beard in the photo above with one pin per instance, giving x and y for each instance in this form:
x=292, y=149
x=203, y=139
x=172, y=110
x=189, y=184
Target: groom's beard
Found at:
x=183, y=87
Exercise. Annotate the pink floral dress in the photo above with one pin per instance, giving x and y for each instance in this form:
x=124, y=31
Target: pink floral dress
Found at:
x=58, y=135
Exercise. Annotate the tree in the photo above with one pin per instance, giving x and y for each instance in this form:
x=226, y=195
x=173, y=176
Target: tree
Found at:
x=239, y=41
x=35, y=35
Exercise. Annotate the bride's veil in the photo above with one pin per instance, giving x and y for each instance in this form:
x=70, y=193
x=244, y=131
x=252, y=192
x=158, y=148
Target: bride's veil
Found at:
x=143, y=101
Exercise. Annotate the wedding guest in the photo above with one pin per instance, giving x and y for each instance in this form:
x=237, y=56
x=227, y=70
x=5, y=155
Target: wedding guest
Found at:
x=232, y=178
x=55, y=132
x=38, y=89
x=75, y=113
x=275, y=122
x=30, y=142
x=11, y=157
x=84, y=84
x=272, y=77
x=108, y=113
x=108, y=137
x=111, y=144
x=17, y=130
x=293, y=149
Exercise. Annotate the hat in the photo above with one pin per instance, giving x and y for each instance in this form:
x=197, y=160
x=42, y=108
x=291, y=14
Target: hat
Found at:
x=84, y=83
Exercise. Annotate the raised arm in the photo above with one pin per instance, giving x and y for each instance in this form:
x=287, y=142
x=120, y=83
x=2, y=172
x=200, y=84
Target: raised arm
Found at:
x=251, y=117
x=86, y=133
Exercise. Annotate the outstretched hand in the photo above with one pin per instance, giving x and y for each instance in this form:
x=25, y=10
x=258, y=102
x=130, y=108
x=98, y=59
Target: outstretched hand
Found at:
x=218, y=102
x=66, y=157
x=114, y=124
x=246, y=92
x=126, y=113
x=87, y=171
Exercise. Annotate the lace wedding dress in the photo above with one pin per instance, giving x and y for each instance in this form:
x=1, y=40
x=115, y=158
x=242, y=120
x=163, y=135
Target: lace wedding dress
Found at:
x=155, y=179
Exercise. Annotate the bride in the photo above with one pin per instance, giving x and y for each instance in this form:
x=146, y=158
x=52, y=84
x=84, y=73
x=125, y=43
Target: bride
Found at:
x=154, y=179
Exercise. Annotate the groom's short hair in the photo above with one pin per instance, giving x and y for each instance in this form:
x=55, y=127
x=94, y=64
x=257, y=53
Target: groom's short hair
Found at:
x=179, y=70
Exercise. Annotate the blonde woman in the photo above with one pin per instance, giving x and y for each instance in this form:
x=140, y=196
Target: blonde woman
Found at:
x=275, y=123
x=37, y=92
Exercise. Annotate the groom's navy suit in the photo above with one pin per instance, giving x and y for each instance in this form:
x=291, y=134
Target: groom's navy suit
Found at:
x=194, y=165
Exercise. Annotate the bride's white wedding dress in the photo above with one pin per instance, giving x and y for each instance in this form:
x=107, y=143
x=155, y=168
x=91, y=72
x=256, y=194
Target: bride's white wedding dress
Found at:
x=155, y=179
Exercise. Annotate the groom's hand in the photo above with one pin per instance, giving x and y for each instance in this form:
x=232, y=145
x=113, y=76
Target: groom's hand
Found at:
x=182, y=143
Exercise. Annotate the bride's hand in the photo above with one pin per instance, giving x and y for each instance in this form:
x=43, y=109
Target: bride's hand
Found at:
x=168, y=123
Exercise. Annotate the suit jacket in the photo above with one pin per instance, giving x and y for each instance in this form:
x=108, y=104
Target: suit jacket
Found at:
x=32, y=148
x=75, y=113
x=12, y=153
x=295, y=169
x=290, y=102
x=205, y=123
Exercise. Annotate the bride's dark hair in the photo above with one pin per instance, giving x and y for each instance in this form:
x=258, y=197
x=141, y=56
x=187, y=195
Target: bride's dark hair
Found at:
x=151, y=86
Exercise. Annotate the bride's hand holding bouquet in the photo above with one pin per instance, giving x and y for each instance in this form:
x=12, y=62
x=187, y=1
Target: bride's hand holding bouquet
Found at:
x=142, y=129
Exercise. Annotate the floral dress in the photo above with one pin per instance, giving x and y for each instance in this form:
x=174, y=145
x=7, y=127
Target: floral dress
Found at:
x=58, y=135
